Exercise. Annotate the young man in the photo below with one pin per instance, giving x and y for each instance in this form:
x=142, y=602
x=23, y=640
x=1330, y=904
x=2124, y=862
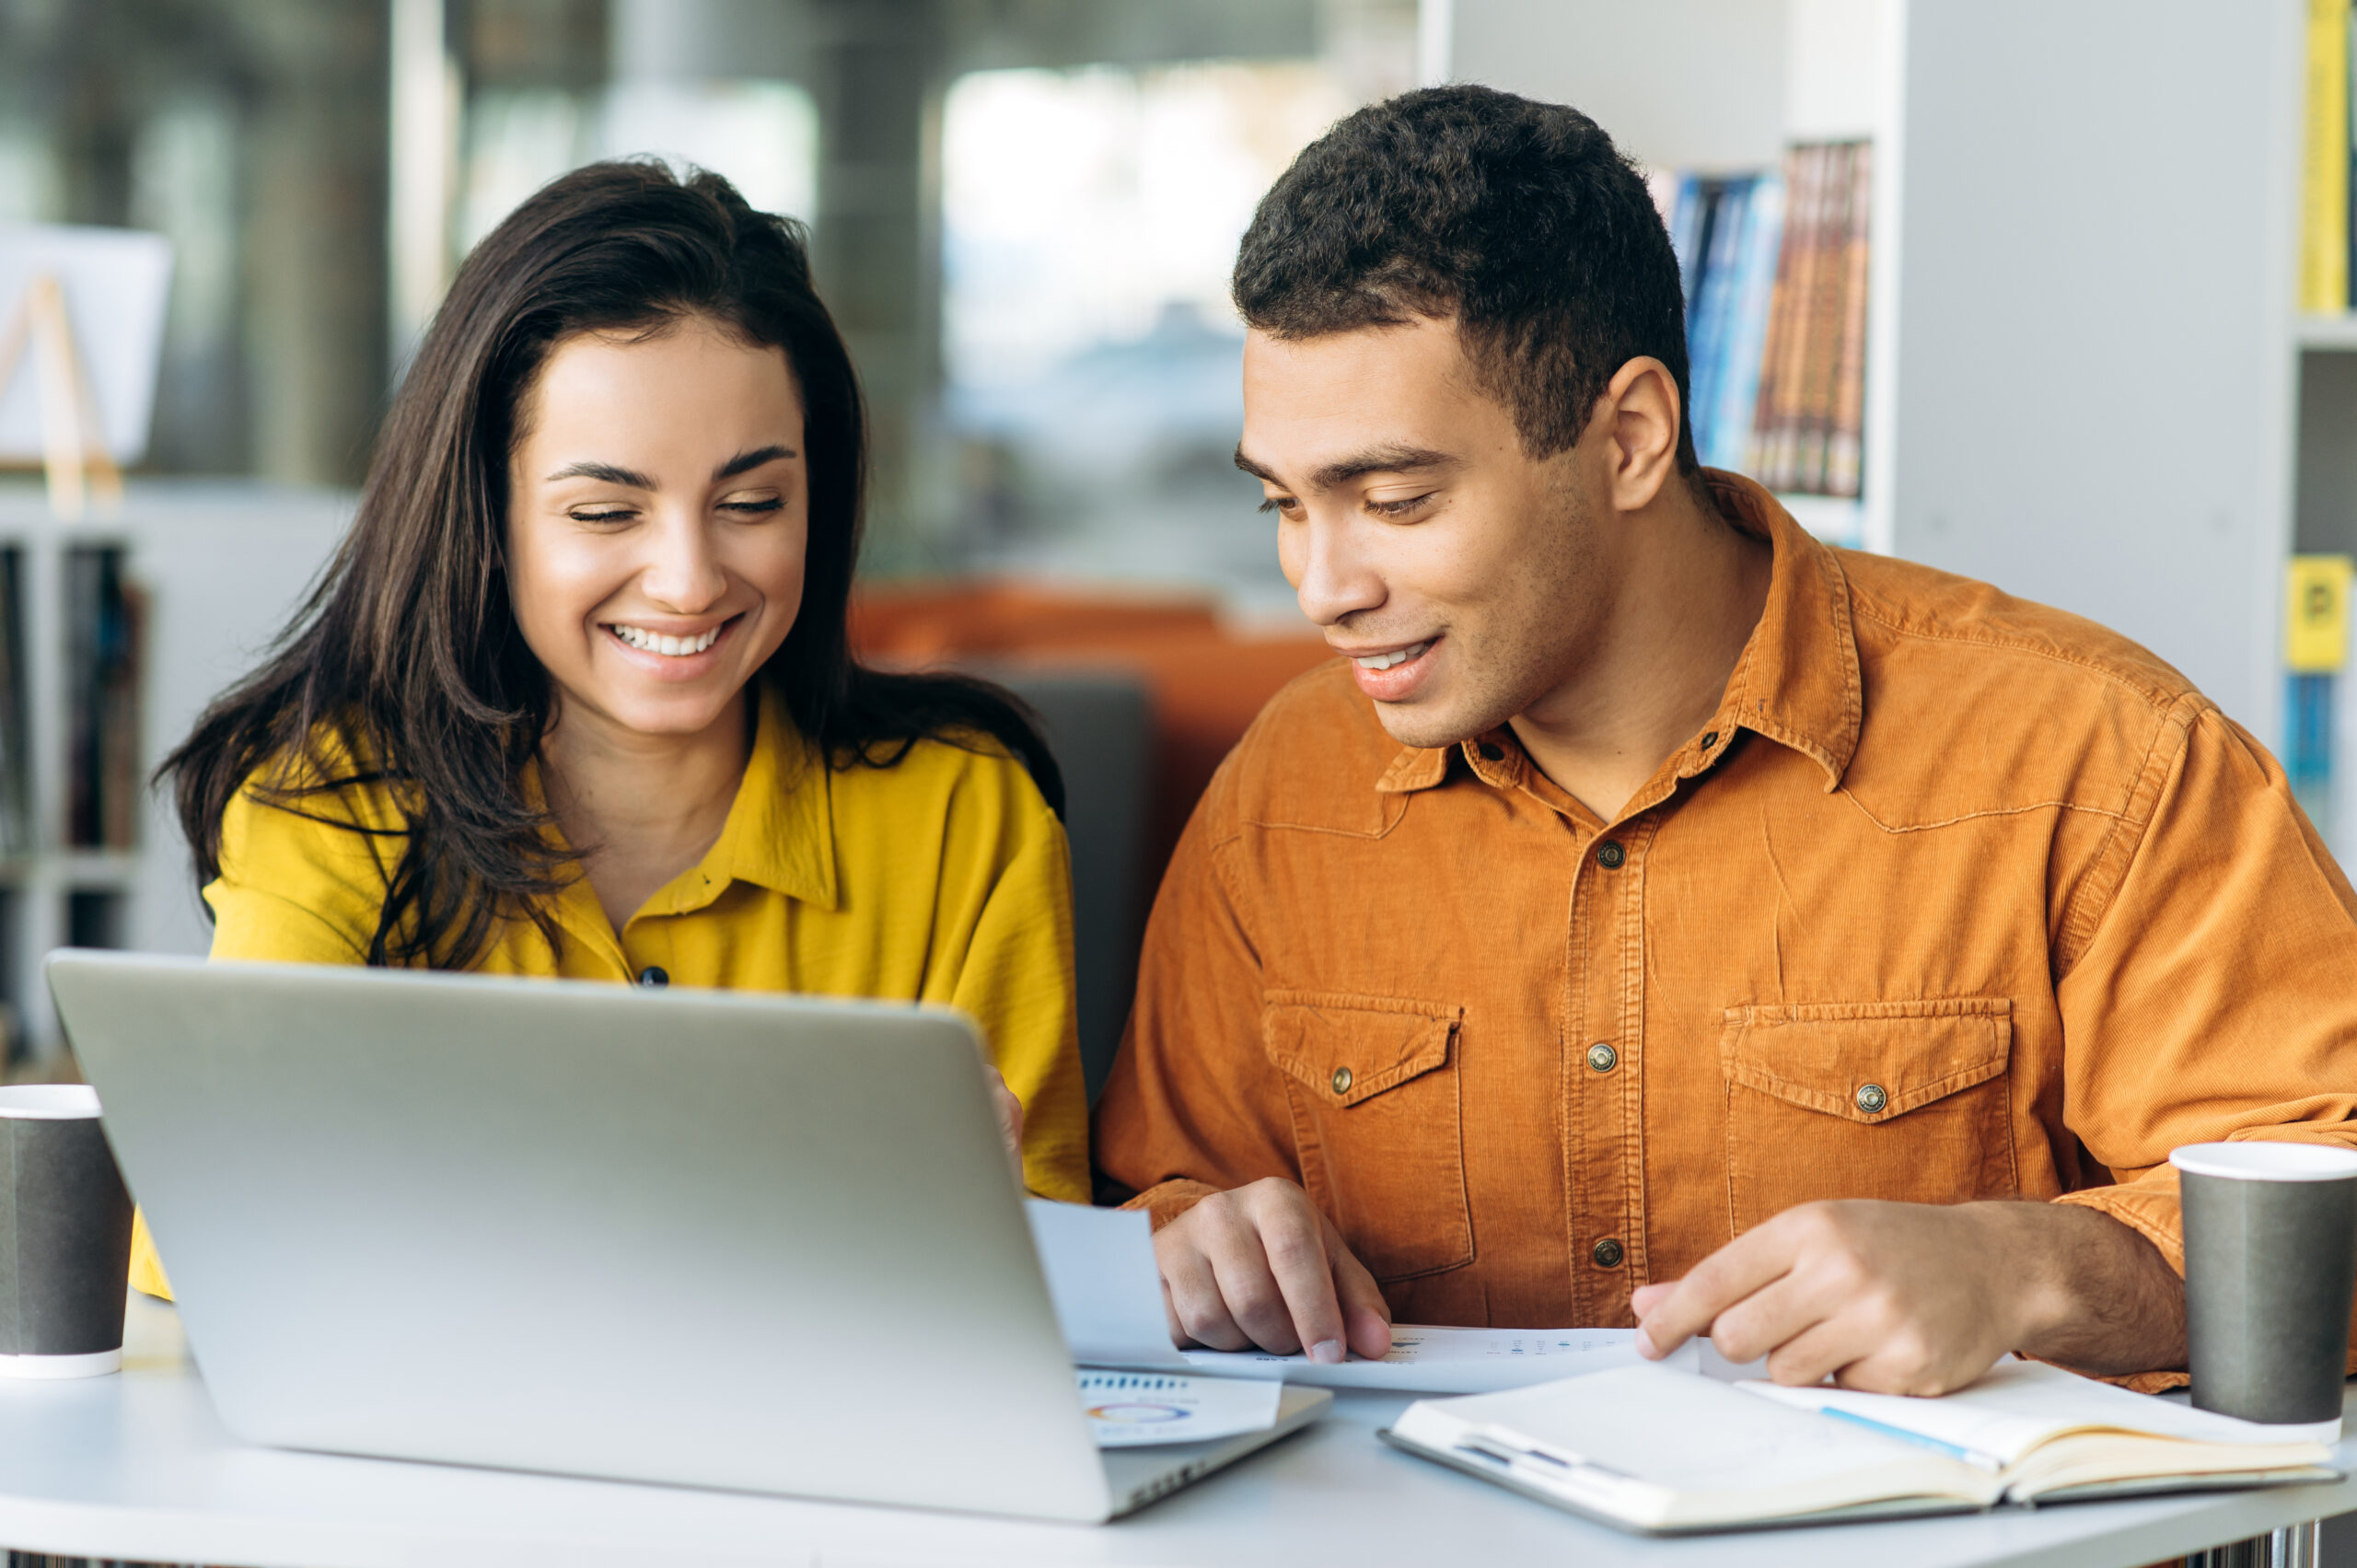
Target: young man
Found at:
x=1662, y=917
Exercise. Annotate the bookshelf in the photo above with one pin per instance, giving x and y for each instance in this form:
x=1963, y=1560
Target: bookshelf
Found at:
x=2331, y=333
x=211, y=570
x=2084, y=373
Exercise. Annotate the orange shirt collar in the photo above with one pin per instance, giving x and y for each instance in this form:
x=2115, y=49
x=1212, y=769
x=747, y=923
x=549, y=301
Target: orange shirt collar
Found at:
x=1797, y=680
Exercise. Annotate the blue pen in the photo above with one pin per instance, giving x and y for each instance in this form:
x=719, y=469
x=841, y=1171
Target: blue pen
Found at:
x=1970, y=1456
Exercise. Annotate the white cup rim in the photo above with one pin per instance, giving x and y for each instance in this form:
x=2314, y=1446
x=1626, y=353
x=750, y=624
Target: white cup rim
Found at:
x=48, y=1102
x=2267, y=1160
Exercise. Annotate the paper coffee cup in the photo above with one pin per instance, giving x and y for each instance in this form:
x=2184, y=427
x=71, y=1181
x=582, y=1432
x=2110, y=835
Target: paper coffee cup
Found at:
x=2271, y=1260
x=64, y=1236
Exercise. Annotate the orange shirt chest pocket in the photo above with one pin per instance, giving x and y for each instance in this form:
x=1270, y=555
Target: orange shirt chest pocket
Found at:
x=1899, y=1100
x=1372, y=1083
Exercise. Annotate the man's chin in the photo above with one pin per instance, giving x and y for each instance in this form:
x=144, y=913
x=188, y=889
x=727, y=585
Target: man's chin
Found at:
x=1420, y=725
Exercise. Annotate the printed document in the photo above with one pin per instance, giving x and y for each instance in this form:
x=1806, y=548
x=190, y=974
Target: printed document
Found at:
x=1138, y=1409
x=1107, y=1294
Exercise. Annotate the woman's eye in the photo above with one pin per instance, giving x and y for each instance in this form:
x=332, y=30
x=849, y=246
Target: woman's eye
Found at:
x=610, y=514
x=754, y=508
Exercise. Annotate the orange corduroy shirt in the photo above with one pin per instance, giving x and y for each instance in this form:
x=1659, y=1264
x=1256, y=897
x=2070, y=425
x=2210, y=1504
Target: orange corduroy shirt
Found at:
x=1955, y=896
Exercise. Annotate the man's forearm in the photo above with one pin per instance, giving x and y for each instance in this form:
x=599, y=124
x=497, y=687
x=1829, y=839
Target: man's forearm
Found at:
x=2099, y=1297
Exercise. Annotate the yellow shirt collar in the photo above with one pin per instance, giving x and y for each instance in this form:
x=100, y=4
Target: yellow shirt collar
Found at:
x=781, y=831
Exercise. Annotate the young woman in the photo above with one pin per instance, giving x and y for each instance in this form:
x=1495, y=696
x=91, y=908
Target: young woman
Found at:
x=574, y=698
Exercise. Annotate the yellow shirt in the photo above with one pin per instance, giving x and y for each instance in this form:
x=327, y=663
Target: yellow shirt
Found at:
x=942, y=878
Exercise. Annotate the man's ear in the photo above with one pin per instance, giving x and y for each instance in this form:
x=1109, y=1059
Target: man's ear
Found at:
x=1641, y=408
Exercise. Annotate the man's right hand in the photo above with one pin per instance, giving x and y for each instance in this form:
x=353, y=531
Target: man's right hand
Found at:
x=1261, y=1266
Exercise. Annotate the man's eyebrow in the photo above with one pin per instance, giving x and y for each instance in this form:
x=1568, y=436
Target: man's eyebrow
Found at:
x=607, y=471
x=1358, y=465
x=743, y=461
x=1376, y=459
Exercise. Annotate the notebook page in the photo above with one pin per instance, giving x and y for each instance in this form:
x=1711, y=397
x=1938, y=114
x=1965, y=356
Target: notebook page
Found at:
x=1703, y=1449
x=2020, y=1404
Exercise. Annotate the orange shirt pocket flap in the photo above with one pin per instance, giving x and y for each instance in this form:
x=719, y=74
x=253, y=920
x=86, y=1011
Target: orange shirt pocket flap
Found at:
x=1347, y=1048
x=1867, y=1062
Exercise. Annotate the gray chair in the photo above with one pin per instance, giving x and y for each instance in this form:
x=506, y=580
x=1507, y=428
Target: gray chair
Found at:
x=1100, y=725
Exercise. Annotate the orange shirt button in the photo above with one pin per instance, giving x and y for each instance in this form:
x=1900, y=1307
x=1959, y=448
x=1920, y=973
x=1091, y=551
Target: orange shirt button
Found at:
x=1341, y=1080
x=1608, y=1254
x=1871, y=1097
x=1602, y=1057
x=1492, y=753
x=1612, y=856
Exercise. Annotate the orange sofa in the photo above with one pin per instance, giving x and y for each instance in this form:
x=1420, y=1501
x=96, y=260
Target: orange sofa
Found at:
x=1205, y=682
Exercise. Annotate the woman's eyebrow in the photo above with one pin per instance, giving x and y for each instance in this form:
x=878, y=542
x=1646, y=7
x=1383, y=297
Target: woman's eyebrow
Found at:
x=607, y=471
x=753, y=459
x=612, y=474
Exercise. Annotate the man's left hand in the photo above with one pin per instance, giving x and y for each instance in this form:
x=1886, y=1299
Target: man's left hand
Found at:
x=1922, y=1298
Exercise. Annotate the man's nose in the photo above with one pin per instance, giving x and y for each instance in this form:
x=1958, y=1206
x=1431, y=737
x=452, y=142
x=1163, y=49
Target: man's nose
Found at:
x=1336, y=579
x=684, y=573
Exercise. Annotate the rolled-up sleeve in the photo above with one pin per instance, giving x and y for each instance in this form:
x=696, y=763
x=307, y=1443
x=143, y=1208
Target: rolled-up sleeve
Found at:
x=2215, y=997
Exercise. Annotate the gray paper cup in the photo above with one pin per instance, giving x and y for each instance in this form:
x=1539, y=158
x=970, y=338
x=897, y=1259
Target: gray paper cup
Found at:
x=2270, y=1258
x=64, y=1236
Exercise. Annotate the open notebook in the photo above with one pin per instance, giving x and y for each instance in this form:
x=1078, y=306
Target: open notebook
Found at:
x=1666, y=1452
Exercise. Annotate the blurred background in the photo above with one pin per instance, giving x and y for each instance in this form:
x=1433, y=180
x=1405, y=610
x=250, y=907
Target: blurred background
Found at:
x=1966, y=282
x=1024, y=213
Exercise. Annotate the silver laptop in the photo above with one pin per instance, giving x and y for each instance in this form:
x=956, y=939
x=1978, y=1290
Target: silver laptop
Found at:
x=758, y=1242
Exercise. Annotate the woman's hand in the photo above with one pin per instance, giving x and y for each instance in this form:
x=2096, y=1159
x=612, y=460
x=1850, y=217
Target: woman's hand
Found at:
x=1010, y=1117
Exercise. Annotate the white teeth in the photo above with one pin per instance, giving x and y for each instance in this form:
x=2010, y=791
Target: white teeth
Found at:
x=673, y=647
x=1385, y=661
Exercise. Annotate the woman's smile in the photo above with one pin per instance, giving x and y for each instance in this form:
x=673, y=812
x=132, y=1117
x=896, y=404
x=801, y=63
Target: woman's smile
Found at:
x=670, y=652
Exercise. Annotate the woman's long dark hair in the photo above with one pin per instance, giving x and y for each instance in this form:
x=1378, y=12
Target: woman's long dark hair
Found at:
x=405, y=670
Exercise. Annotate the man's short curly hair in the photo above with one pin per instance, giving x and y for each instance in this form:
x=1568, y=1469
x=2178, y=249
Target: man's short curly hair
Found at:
x=1519, y=220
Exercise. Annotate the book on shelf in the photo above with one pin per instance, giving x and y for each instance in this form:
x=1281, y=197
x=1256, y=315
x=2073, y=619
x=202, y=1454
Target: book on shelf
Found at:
x=104, y=616
x=2324, y=233
x=1663, y=1452
x=15, y=770
x=1775, y=267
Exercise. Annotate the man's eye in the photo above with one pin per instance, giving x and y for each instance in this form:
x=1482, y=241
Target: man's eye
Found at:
x=1278, y=504
x=1399, y=508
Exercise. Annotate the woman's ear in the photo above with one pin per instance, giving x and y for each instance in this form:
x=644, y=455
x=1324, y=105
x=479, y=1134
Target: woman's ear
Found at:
x=1645, y=412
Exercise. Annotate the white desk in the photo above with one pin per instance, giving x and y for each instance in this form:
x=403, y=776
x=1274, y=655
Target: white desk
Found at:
x=137, y=1467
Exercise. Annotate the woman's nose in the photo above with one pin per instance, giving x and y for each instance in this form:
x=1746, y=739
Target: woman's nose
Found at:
x=684, y=572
